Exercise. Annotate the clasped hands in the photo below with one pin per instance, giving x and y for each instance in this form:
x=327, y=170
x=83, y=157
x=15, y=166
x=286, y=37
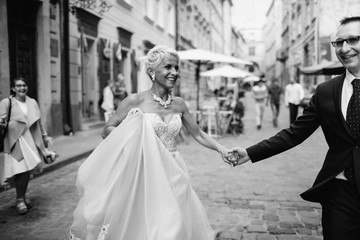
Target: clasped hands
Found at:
x=235, y=156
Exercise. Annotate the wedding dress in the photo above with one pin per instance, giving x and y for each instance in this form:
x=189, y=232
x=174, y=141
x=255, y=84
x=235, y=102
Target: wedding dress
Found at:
x=135, y=186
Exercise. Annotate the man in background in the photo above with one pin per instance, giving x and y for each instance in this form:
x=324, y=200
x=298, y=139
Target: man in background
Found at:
x=260, y=93
x=108, y=100
x=274, y=95
x=294, y=93
x=119, y=90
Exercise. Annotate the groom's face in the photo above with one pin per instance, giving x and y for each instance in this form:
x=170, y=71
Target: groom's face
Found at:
x=349, y=53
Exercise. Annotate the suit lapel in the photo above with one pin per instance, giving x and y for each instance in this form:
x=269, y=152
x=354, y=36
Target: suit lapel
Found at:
x=338, y=85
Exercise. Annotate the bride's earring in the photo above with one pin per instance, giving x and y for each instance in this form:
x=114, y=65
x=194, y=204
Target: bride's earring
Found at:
x=153, y=77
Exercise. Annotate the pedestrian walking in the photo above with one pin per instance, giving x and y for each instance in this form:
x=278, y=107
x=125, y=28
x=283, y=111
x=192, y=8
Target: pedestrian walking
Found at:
x=335, y=107
x=120, y=92
x=274, y=96
x=294, y=93
x=108, y=100
x=260, y=93
x=135, y=185
x=236, y=125
x=26, y=141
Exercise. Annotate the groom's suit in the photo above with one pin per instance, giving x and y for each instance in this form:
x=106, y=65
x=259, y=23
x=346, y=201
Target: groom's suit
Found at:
x=323, y=110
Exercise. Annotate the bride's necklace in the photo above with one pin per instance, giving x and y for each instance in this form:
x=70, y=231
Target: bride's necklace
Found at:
x=160, y=101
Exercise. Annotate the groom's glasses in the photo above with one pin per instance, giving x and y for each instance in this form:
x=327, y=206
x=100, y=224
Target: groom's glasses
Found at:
x=352, y=41
x=21, y=85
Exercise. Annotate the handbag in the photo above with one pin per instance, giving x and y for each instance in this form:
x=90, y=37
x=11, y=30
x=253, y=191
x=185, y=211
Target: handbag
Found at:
x=4, y=130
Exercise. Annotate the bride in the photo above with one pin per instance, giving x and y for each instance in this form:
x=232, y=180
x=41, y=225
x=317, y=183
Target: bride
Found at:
x=135, y=185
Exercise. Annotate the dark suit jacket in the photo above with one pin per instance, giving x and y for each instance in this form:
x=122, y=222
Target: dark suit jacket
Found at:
x=324, y=109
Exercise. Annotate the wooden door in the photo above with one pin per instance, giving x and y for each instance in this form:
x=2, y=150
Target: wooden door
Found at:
x=22, y=47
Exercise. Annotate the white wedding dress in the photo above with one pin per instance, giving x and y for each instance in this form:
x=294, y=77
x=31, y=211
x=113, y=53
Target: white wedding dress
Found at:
x=135, y=186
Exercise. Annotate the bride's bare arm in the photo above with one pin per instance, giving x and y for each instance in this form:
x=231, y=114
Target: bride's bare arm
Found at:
x=199, y=135
x=120, y=114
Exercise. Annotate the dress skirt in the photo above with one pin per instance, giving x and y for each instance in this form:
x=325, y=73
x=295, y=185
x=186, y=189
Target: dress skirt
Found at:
x=132, y=188
x=30, y=161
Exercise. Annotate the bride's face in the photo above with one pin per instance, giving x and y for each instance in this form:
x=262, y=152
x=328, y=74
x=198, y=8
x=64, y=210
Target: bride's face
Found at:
x=167, y=72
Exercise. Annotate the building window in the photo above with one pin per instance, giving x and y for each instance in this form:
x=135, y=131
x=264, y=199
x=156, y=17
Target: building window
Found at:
x=125, y=3
x=171, y=21
x=159, y=10
x=308, y=14
x=149, y=9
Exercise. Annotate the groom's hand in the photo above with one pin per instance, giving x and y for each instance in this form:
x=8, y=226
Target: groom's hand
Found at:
x=228, y=157
x=241, y=155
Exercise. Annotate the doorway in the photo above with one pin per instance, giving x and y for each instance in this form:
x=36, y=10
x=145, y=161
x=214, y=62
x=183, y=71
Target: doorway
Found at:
x=22, y=45
x=88, y=81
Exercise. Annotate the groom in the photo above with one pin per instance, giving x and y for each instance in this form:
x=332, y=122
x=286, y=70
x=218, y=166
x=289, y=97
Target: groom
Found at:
x=335, y=106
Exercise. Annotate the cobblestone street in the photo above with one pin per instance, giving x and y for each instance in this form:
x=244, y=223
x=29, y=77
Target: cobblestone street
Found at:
x=250, y=202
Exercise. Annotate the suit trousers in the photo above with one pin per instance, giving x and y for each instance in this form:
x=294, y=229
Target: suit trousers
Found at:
x=259, y=110
x=341, y=211
x=294, y=109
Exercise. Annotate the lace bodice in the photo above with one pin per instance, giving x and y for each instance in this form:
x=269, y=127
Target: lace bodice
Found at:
x=167, y=132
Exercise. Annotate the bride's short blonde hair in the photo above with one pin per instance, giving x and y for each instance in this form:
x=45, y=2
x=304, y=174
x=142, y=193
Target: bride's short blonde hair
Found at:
x=157, y=54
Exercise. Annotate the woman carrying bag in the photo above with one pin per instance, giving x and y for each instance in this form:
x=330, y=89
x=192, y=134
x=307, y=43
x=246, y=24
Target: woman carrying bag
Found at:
x=25, y=141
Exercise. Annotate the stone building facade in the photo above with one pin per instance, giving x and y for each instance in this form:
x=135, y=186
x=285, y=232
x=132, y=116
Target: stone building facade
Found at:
x=68, y=56
x=204, y=24
x=307, y=29
x=103, y=46
x=30, y=47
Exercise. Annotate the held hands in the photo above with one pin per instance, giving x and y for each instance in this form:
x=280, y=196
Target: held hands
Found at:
x=235, y=156
x=241, y=155
x=226, y=154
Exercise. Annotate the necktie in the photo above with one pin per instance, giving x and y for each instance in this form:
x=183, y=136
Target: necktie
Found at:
x=353, y=122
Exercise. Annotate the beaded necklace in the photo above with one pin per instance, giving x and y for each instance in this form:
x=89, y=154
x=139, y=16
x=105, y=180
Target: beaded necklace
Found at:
x=160, y=101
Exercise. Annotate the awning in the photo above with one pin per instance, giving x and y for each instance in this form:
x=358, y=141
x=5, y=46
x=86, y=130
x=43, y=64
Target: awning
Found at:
x=324, y=68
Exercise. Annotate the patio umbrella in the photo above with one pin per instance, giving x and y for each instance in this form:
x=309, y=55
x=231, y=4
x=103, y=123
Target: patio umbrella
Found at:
x=226, y=71
x=324, y=68
x=251, y=79
x=200, y=56
x=206, y=56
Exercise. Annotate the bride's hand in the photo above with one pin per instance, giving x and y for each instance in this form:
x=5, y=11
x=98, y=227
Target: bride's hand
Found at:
x=241, y=155
x=228, y=156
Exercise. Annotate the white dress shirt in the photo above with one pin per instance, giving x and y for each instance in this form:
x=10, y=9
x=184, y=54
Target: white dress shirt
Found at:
x=347, y=91
x=294, y=93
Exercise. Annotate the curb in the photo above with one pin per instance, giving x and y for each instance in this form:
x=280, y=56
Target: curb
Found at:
x=51, y=168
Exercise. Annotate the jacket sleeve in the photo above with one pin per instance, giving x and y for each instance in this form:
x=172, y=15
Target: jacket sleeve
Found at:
x=4, y=108
x=290, y=137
